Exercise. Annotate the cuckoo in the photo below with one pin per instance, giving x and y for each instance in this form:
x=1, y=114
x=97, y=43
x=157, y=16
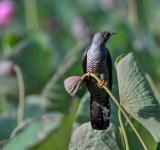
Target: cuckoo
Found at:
x=96, y=60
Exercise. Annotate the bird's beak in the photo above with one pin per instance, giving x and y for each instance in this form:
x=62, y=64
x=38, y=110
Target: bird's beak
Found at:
x=106, y=34
x=112, y=34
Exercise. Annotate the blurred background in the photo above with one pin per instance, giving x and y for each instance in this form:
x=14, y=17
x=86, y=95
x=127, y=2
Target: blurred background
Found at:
x=42, y=43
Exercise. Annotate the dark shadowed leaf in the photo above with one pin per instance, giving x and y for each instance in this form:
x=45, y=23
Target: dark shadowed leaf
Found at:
x=83, y=113
x=153, y=86
x=136, y=95
x=7, y=124
x=86, y=138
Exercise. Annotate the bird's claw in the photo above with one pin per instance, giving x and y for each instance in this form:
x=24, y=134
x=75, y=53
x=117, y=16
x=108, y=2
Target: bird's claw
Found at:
x=101, y=83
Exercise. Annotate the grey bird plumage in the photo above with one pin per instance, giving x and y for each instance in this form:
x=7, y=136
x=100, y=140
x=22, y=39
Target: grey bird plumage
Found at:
x=97, y=60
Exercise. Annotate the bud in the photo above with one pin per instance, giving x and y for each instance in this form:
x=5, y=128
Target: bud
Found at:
x=6, y=68
x=52, y=24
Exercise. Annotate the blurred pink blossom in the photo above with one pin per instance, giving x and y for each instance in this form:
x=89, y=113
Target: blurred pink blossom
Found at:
x=7, y=11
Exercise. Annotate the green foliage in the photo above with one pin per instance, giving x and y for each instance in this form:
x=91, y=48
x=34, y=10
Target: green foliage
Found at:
x=59, y=139
x=154, y=88
x=7, y=125
x=144, y=133
x=136, y=95
x=8, y=86
x=83, y=112
x=56, y=98
x=30, y=67
x=33, y=132
x=39, y=40
x=85, y=137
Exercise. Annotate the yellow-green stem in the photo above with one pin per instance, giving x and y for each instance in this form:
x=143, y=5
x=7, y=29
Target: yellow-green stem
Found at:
x=123, y=130
x=20, y=114
x=120, y=108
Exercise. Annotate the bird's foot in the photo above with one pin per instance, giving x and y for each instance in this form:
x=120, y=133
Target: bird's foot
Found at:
x=101, y=83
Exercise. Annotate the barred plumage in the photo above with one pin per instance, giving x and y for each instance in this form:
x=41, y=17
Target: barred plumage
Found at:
x=95, y=66
x=98, y=61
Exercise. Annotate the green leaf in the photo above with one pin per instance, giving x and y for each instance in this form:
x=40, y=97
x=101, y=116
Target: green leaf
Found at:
x=7, y=124
x=119, y=58
x=33, y=107
x=136, y=95
x=134, y=142
x=153, y=86
x=59, y=139
x=35, y=73
x=33, y=132
x=85, y=137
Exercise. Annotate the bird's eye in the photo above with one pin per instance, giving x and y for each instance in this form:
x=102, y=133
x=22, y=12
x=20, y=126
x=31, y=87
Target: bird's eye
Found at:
x=102, y=35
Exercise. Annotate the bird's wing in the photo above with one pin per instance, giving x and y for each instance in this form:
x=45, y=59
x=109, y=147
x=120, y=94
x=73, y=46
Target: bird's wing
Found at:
x=109, y=64
x=84, y=61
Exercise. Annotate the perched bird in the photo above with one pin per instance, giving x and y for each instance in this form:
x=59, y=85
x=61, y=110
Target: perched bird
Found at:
x=97, y=60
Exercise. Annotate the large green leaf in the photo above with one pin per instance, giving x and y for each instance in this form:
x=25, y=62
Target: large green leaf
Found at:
x=86, y=138
x=59, y=139
x=136, y=95
x=33, y=132
x=134, y=142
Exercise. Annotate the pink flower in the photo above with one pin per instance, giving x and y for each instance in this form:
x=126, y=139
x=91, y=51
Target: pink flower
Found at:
x=7, y=10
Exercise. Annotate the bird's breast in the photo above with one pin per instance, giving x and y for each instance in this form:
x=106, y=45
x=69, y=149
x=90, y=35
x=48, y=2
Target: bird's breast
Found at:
x=95, y=66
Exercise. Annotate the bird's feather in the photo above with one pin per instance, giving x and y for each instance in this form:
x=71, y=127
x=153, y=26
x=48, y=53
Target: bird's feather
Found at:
x=84, y=60
x=99, y=111
x=109, y=64
x=72, y=84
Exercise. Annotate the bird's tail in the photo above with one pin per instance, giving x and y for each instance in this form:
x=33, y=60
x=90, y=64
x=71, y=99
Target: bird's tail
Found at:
x=72, y=84
x=100, y=115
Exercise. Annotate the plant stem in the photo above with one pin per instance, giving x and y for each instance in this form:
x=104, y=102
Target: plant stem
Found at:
x=20, y=115
x=123, y=129
x=122, y=138
x=31, y=15
x=120, y=108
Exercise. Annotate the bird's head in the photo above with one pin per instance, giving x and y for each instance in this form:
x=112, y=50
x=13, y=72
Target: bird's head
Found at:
x=101, y=37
